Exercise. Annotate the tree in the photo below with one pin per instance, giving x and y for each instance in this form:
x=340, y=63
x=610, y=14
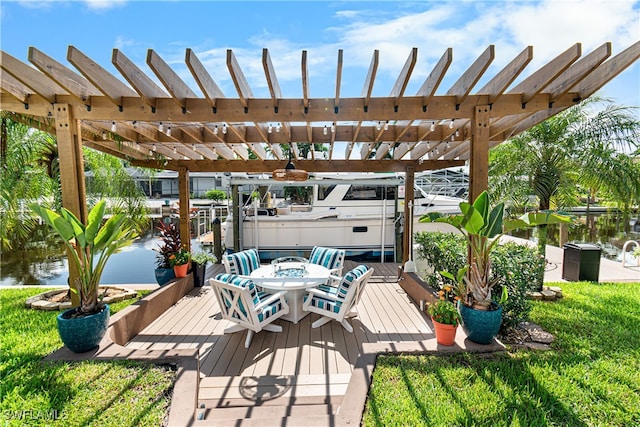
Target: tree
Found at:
x=577, y=149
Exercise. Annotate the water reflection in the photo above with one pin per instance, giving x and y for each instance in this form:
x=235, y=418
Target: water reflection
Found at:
x=609, y=231
x=43, y=262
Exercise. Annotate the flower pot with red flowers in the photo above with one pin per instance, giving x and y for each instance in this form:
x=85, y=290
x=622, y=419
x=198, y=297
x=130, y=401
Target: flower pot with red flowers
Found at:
x=180, y=262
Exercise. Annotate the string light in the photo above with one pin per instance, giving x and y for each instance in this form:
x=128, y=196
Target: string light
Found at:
x=386, y=125
x=378, y=126
x=224, y=128
x=150, y=153
x=324, y=130
x=160, y=127
x=113, y=126
x=433, y=126
x=333, y=127
x=175, y=149
x=215, y=130
x=153, y=147
x=104, y=136
x=452, y=137
x=169, y=131
x=270, y=128
x=278, y=127
x=457, y=132
x=451, y=124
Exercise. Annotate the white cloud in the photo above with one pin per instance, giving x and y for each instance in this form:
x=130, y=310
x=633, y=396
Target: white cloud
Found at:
x=104, y=4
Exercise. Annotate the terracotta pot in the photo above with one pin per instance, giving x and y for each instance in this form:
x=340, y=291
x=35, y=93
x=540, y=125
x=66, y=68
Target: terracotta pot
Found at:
x=181, y=270
x=445, y=334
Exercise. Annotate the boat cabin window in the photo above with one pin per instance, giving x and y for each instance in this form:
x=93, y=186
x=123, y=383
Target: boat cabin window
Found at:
x=324, y=191
x=370, y=192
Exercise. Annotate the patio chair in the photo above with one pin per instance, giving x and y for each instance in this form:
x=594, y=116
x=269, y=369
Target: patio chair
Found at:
x=331, y=258
x=242, y=303
x=241, y=263
x=339, y=302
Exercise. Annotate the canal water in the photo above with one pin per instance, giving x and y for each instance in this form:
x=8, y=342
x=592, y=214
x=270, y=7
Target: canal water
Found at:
x=43, y=261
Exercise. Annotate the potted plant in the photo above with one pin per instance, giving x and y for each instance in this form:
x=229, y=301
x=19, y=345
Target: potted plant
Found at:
x=169, y=243
x=199, y=261
x=482, y=227
x=89, y=247
x=180, y=262
x=445, y=316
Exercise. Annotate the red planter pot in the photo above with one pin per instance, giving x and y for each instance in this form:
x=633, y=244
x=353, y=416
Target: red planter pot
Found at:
x=445, y=334
x=181, y=270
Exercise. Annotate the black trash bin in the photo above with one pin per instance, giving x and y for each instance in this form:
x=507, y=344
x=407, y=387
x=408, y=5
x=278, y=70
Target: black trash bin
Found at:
x=581, y=262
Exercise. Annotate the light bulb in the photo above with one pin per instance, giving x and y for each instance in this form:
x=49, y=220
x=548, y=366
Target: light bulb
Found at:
x=452, y=137
x=175, y=149
x=333, y=127
x=457, y=132
x=451, y=124
x=324, y=130
x=160, y=127
x=433, y=126
x=150, y=153
x=270, y=128
x=104, y=136
x=378, y=126
x=153, y=147
x=215, y=130
x=169, y=131
x=224, y=128
x=428, y=145
x=386, y=125
x=278, y=127
x=113, y=126
x=446, y=146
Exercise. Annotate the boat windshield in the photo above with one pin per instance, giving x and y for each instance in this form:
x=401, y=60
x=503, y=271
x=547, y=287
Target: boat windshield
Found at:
x=370, y=192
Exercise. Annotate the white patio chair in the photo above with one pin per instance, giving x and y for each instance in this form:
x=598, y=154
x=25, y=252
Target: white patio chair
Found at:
x=339, y=302
x=242, y=303
x=241, y=263
x=331, y=258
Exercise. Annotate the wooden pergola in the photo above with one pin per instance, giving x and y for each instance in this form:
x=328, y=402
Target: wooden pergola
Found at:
x=186, y=129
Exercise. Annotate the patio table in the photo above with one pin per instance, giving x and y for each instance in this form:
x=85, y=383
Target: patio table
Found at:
x=294, y=278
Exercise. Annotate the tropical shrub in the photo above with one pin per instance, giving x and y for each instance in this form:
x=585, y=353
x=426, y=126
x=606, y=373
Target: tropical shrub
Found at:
x=514, y=266
x=215, y=194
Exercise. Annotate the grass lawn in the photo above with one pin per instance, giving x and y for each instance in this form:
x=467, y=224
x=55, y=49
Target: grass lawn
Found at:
x=38, y=393
x=591, y=377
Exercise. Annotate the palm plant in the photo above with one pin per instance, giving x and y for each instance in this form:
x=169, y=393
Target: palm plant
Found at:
x=576, y=149
x=89, y=246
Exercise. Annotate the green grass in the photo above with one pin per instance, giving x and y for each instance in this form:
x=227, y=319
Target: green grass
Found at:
x=35, y=392
x=591, y=377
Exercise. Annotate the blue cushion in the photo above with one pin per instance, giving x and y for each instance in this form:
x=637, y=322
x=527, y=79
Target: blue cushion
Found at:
x=326, y=257
x=349, y=278
x=243, y=262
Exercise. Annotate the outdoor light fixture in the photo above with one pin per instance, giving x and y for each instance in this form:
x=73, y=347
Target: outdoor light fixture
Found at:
x=290, y=173
x=169, y=131
x=433, y=126
x=160, y=127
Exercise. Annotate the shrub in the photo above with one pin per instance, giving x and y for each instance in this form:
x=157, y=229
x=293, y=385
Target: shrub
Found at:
x=516, y=267
x=215, y=194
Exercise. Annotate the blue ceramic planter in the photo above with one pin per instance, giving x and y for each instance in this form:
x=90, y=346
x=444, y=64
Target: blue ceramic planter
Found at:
x=480, y=326
x=83, y=333
x=164, y=275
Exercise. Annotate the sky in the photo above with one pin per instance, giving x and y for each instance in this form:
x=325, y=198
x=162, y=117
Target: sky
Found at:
x=321, y=28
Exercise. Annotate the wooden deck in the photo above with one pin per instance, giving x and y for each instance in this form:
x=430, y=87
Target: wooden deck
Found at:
x=299, y=370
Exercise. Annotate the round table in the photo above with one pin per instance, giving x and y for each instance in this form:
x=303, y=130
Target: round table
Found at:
x=294, y=278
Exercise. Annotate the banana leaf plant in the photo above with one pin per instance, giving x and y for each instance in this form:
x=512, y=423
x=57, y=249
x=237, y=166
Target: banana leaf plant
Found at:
x=483, y=227
x=89, y=246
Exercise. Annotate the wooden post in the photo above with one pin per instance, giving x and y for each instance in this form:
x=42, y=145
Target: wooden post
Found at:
x=236, y=205
x=407, y=238
x=479, y=150
x=72, y=183
x=185, y=216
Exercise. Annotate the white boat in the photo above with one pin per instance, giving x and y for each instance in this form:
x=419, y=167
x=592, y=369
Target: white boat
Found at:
x=361, y=213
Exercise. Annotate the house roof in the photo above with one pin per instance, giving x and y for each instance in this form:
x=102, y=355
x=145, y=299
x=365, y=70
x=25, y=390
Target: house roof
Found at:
x=171, y=125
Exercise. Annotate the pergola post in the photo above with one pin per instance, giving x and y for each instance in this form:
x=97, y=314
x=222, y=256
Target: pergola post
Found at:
x=479, y=151
x=407, y=238
x=185, y=216
x=72, y=181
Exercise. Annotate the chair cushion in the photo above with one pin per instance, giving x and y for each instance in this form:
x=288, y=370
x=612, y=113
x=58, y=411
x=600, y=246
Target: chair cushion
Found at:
x=349, y=278
x=325, y=304
x=241, y=282
x=326, y=257
x=243, y=262
x=256, y=296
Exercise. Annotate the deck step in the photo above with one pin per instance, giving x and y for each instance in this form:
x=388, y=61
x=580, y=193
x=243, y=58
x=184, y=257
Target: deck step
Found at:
x=252, y=390
x=309, y=400
x=267, y=415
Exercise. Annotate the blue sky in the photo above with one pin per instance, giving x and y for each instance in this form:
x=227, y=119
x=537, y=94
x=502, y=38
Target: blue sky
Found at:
x=287, y=28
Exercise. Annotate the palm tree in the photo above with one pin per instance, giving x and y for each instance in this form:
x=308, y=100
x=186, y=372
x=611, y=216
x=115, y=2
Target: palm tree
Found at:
x=576, y=149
